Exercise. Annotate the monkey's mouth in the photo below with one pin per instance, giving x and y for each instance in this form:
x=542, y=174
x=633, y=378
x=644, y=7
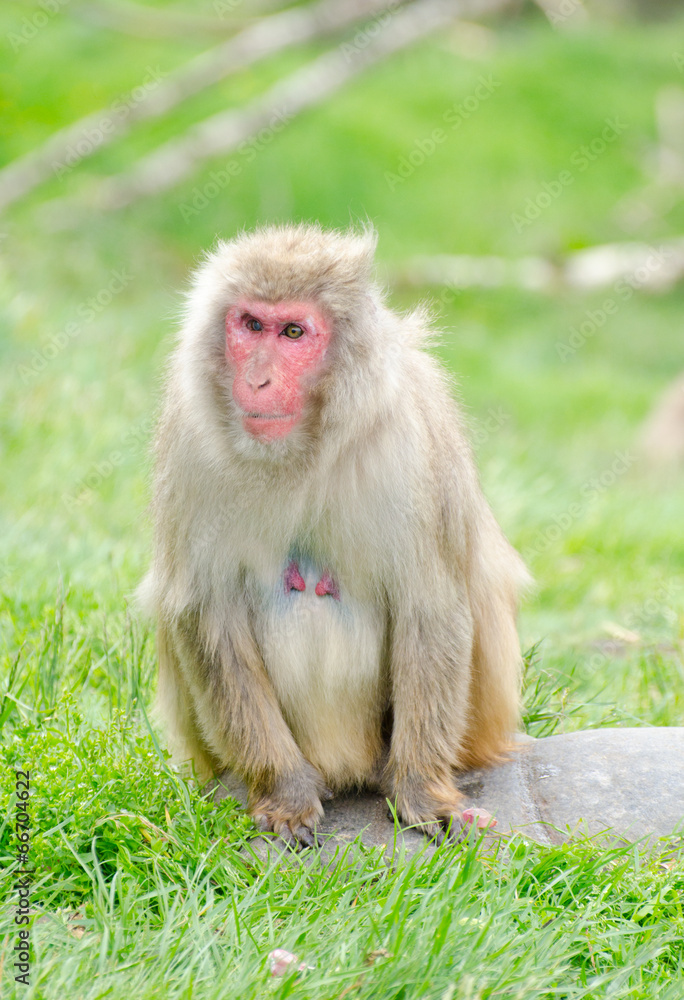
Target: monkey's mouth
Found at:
x=268, y=416
x=268, y=426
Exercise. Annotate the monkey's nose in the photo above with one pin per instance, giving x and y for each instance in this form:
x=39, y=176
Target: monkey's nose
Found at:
x=256, y=384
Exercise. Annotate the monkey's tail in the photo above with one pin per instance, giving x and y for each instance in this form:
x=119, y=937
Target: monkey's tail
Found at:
x=496, y=668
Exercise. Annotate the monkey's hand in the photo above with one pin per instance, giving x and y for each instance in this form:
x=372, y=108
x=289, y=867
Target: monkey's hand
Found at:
x=291, y=807
x=432, y=806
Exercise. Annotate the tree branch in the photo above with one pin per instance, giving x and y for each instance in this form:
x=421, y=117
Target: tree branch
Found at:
x=644, y=267
x=305, y=88
x=266, y=37
x=141, y=21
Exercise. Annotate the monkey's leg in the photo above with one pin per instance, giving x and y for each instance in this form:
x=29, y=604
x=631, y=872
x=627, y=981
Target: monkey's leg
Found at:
x=242, y=725
x=430, y=676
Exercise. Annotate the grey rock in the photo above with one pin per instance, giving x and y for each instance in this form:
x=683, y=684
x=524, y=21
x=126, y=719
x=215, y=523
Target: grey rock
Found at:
x=629, y=782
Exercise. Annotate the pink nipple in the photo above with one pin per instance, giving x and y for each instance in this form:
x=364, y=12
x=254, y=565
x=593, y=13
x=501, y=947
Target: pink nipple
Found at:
x=293, y=578
x=326, y=585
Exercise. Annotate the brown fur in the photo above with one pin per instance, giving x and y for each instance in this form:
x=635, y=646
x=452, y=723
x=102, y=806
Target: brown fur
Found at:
x=378, y=484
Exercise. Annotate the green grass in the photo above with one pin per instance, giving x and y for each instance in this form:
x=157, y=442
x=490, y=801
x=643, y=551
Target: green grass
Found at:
x=142, y=888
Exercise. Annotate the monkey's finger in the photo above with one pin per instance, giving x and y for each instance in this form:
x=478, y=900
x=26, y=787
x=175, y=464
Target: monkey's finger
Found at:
x=263, y=823
x=305, y=836
x=285, y=833
x=454, y=830
x=433, y=831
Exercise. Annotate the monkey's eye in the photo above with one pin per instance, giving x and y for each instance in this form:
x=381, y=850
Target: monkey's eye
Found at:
x=253, y=324
x=293, y=331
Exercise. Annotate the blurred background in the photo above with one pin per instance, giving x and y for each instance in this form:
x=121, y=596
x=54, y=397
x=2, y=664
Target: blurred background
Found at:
x=524, y=166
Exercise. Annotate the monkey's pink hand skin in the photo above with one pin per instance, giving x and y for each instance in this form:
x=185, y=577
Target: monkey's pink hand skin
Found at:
x=326, y=585
x=276, y=352
x=294, y=579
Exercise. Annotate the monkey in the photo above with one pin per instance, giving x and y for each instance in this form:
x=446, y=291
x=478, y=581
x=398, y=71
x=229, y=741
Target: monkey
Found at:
x=335, y=601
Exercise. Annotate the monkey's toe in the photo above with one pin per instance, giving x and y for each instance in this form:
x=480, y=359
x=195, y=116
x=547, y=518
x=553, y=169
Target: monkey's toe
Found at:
x=447, y=828
x=296, y=828
x=296, y=835
x=305, y=836
x=453, y=829
x=433, y=808
x=263, y=822
x=444, y=828
x=433, y=831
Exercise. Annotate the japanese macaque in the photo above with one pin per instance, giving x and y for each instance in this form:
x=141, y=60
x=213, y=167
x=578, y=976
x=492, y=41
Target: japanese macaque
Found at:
x=335, y=600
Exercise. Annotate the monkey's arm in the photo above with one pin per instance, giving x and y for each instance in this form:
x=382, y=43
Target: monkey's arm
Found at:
x=431, y=648
x=240, y=724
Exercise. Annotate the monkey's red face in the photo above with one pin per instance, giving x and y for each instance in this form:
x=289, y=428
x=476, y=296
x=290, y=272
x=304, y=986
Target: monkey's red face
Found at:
x=276, y=350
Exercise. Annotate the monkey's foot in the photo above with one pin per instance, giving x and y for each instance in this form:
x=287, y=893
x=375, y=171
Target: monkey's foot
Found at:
x=291, y=809
x=434, y=808
x=296, y=828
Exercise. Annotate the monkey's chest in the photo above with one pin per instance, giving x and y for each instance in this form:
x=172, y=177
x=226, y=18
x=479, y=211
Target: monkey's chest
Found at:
x=323, y=650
